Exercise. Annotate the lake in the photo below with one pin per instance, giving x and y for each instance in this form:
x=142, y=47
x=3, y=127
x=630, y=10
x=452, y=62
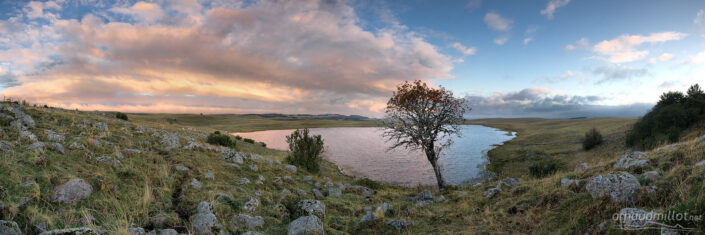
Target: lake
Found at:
x=362, y=151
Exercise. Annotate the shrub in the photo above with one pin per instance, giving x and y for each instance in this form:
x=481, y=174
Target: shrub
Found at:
x=263, y=144
x=592, y=138
x=546, y=166
x=220, y=139
x=248, y=140
x=369, y=183
x=305, y=150
x=237, y=137
x=120, y=115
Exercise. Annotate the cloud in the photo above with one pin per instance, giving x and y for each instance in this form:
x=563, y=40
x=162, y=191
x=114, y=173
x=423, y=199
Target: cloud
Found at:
x=624, y=48
x=497, y=22
x=618, y=72
x=267, y=56
x=698, y=58
x=501, y=40
x=530, y=31
x=542, y=102
x=36, y=9
x=527, y=40
x=662, y=58
x=463, y=49
x=670, y=84
x=552, y=6
x=473, y=4
x=567, y=75
x=699, y=17
x=583, y=43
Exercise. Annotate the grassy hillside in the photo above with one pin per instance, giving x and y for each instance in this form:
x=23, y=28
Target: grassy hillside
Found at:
x=147, y=191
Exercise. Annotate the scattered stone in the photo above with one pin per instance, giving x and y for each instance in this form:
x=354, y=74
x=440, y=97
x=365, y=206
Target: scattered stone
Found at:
x=258, y=193
x=57, y=147
x=491, y=192
x=204, y=222
x=76, y=145
x=329, y=184
x=621, y=187
x=399, y=224
x=277, y=162
x=317, y=194
x=301, y=192
x=136, y=231
x=119, y=155
x=251, y=205
x=631, y=159
x=277, y=180
x=255, y=157
x=209, y=176
x=424, y=195
x=384, y=208
x=635, y=219
x=233, y=156
x=191, y=145
x=233, y=165
x=9, y=228
x=311, y=207
x=131, y=152
x=66, y=231
x=4, y=147
x=170, y=141
x=182, y=168
x=700, y=163
x=282, y=211
x=290, y=168
x=582, y=167
x=254, y=167
x=52, y=136
x=243, y=181
x=28, y=135
x=334, y=192
x=308, y=178
x=108, y=160
x=365, y=191
x=369, y=217
x=651, y=175
x=249, y=222
x=101, y=126
x=196, y=184
x=306, y=225
x=508, y=182
x=565, y=182
x=71, y=192
x=95, y=142
x=36, y=145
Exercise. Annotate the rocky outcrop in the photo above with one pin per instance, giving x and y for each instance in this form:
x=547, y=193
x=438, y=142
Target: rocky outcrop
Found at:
x=311, y=207
x=205, y=221
x=71, y=192
x=306, y=225
x=621, y=187
x=170, y=141
x=631, y=159
x=9, y=228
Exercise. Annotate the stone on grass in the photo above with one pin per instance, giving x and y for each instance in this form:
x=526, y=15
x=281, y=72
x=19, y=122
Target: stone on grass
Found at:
x=71, y=192
x=205, y=222
x=181, y=168
x=491, y=192
x=9, y=228
x=108, y=160
x=582, y=167
x=369, y=217
x=365, y=191
x=196, y=184
x=565, y=182
x=254, y=167
x=251, y=205
x=77, y=145
x=101, y=126
x=334, y=192
x=651, y=175
x=170, y=141
x=4, y=147
x=399, y=224
x=53, y=136
x=700, y=163
x=317, y=194
x=209, y=176
x=630, y=160
x=306, y=225
x=635, y=219
x=57, y=147
x=621, y=187
x=424, y=195
x=136, y=231
x=131, y=152
x=311, y=207
x=290, y=168
x=36, y=146
x=249, y=222
x=243, y=181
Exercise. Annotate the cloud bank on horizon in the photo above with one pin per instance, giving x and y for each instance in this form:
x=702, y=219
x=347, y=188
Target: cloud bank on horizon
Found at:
x=316, y=56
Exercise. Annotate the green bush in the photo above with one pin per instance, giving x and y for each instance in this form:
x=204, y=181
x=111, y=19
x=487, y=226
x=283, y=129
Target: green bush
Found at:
x=248, y=140
x=592, y=138
x=237, y=137
x=369, y=183
x=305, y=150
x=220, y=139
x=120, y=115
x=263, y=144
x=546, y=166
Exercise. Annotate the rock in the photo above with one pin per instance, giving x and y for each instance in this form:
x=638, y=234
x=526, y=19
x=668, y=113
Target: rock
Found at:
x=255, y=157
x=565, y=182
x=251, y=205
x=233, y=156
x=76, y=145
x=651, y=175
x=631, y=159
x=508, y=182
x=700, y=163
x=136, y=231
x=181, y=168
x=87, y=220
x=301, y=192
x=233, y=165
x=57, y=147
x=635, y=219
x=422, y=196
x=365, y=191
x=369, y=217
x=119, y=155
x=651, y=189
x=209, y=176
x=204, y=222
x=329, y=184
x=71, y=192
x=287, y=178
x=108, y=160
x=9, y=228
x=243, y=181
x=317, y=194
x=621, y=187
x=164, y=232
x=257, y=193
x=277, y=180
x=306, y=225
x=311, y=207
x=196, y=184
x=701, y=138
x=668, y=231
x=582, y=167
x=191, y=145
x=28, y=135
x=141, y=129
x=131, y=152
x=36, y=145
x=52, y=136
x=101, y=126
x=334, y=192
x=170, y=141
x=277, y=162
x=491, y=192
x=95, y=142
x=249, y=222
x=254, y=167
x=252, y=233
x=4, y=147
x=423, y=203
x=440, y=198
x=399, y=224
x=384, y=208
x=290, y=168
x=68, y=231
x=308, y=178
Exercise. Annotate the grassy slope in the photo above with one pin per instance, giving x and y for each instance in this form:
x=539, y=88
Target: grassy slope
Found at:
x=147, y=185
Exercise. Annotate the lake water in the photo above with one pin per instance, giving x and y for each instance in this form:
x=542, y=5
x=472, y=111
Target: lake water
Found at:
x=362, y=151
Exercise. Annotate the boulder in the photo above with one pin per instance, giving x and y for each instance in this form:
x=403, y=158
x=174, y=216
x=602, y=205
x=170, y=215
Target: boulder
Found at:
x=311, y=207
x=53, y=136
x=565, y=182
x=251, y=205
x=4, y=147
x=621, y=187
x=582, y=167
x=77, y=145
x=243, y=181
x=290, y=168
x=67, y=231
x=196, y=184
x=181, y=168
x=636, y=219
x=101, y=126
x=71, y=192
x=57, y=147
x=9, y=228
x=249, y=222
x=334, y=192
x=631, y=159
x=317, y=194
x=254, y=167
x=136, y=231
x=422, y=196
x=651, y=175
x=36, y=146
x=108, y=160
x=399, y=224
x=306, y=225
x=205, y=222
x=369, y=217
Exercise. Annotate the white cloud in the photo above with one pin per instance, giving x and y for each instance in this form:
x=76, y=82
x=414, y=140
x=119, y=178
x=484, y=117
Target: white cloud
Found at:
x=662, y=58
x=501, y=40
x=698, y=58
x=463, y=49
x=142, y=11
x=36, y=9
x=497, y=22
x=583, y=43
x=552, y=6
x=527, y=40
x=624, y=48
x=699, y=18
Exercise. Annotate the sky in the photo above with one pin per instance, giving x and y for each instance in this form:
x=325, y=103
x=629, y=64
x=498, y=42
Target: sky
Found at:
x=539, y=58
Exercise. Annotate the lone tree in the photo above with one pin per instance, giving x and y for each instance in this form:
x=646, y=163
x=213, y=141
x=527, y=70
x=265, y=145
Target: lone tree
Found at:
x=419, y=117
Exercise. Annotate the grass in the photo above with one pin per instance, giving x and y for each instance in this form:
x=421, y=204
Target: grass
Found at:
x=146, y=186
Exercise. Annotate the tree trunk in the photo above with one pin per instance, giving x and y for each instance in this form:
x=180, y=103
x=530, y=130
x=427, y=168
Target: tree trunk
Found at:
x=431, y=155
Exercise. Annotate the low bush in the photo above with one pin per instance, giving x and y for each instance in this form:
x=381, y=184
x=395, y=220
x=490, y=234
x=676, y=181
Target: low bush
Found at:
x=248, y=140
x=305, y=150
x=592, y=139
x=122, y=116
x=220, y=139
x=369, y=183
